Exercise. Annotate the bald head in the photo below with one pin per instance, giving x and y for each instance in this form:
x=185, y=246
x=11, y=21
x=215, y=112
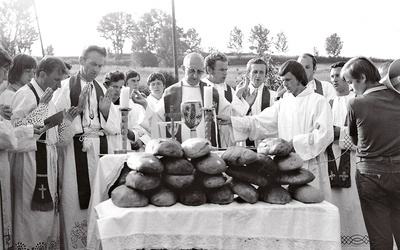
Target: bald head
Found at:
x=193, y=66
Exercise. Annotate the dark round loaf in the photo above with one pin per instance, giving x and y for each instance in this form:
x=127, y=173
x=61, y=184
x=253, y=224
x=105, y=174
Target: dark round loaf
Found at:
x=274, y=194
x=177, y=166
x=145, y=163
x=221, y=195
x=264, y=164
x=178, y=181
x=163, y=197
x=192, y=197
x=248, y=174
x=244, y=190
x=142, y=181
x=210, y=164
x=299, y=176
x=164, y=147
x=123, y=196
x=274, y=146
x=238, y=156
x=210, y=180
x=289, y=162
x=306, y=193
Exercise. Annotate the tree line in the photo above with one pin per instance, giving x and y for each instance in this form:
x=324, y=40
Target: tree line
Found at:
x=150, y=36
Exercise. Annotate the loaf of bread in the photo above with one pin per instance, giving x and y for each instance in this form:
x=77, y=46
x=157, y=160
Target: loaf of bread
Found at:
x=248, y=174
x=244, y=190
x=264, y=164
x=288, y=162
x=306, y=193
x=220, y=195
x=164, y=147
x=163, y=197
x=142, y=181
x=177, y=166
x=239, y=156
x=178, y=181
x=274, y=146
x=274, y=194
x=299, y=176
x=210, y=180
x=196, y=147
x=123, y=196
x=145, y=163
x=210, y=164
x=192, y=197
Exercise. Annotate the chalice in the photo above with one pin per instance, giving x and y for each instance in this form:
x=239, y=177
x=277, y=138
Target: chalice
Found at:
x=192, y=114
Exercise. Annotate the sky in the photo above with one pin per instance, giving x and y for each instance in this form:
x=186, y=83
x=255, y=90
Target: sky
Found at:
x=367, y=28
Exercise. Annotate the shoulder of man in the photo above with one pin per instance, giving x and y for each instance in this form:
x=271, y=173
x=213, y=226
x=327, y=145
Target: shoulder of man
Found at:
x=172, y=88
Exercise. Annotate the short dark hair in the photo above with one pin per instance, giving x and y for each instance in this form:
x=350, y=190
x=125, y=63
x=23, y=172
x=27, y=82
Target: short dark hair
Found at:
x=49, y=64
x=212, y=59
x=130, y=74
x=5, y=59
x=296, y=69
x=96, y=48
x=338, y=65
x=113, y=76
x=156, y=76
x=257, y=60
x=21, y=62
x=314, y=60
x=358, y=66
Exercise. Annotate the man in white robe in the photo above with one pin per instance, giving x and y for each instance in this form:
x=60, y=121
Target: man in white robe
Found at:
x=231, y=102
x=80, y=157
x=342, y=174
x=34, y=173
x=301, y=117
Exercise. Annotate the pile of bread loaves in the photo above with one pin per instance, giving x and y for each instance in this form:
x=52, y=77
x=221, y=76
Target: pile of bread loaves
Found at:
x=168, y=172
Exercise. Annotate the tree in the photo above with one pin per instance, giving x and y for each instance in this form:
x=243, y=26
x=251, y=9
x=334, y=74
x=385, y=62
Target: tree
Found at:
x=50, y=50
x=281, y=43
x=116, y=26
x=316, y=52
x=259, y=40
x=236, y=41
x=17, y=33
x=192, y=40
x=333, y=45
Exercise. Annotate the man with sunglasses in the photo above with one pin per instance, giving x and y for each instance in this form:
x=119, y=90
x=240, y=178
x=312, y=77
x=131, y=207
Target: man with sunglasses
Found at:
x=189, y=88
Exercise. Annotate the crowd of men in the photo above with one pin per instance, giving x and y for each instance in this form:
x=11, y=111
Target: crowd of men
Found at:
x=54, y=127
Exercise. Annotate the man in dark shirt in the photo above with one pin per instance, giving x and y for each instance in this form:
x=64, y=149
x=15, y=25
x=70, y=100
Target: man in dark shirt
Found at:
x=374, y=126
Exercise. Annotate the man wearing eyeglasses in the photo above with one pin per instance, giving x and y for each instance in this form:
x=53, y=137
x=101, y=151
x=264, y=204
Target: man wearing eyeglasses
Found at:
x=98, y=117
x=189, y=88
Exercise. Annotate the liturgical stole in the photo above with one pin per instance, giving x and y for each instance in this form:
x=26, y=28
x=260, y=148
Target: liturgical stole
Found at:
x=41, y=200
x=81, y=162
x=173, y=97
x=318, y=86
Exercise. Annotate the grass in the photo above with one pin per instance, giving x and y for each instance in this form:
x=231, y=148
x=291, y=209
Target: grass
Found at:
x=322, y=72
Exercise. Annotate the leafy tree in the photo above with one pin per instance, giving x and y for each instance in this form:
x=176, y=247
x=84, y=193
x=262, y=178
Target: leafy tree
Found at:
x=316, y=52
x=50, y=50
x=17, y=33
x=236, y=41
x=259, y=40
x=281, y=43
x=192, y=40
x=333, y=45
x=116, y=26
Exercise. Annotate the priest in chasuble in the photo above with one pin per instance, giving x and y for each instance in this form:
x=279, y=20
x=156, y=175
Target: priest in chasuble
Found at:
x=189, y=88
x=301, y=117
x=36, y=219
x=79, y=159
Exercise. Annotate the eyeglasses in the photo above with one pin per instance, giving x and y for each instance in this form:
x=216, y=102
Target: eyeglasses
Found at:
x=194, y=71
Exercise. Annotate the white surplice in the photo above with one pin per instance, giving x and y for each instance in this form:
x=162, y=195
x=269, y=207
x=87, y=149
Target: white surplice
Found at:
x=152, y=102
x=73, y=218
x=352, y=228
x=306, y=119
x=238, y=107
x=31, y=228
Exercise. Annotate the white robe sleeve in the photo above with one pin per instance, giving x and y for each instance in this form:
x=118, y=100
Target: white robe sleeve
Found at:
x=7, y=135
x=256, y=127
x=311, y=144
x=26, y=140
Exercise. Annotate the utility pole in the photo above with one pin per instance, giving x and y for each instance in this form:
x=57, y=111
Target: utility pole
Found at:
x=37, y=22
x=174, y=41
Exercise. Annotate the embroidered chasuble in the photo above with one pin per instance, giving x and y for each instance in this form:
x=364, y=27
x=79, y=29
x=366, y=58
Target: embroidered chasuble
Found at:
x=179, y=93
